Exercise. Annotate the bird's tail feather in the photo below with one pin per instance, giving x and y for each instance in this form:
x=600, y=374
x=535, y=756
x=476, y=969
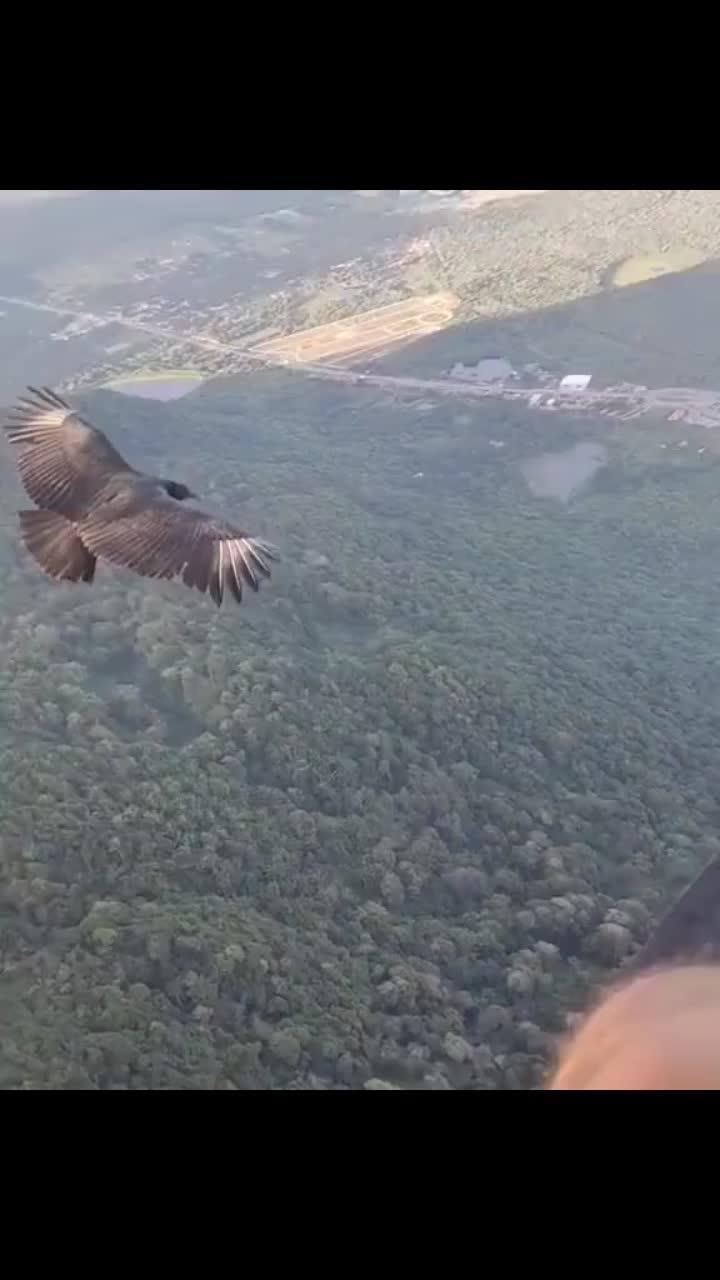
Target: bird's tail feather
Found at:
x=52, y=540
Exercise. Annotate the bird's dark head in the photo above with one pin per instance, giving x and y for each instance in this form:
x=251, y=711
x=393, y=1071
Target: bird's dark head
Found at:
x=177, y=491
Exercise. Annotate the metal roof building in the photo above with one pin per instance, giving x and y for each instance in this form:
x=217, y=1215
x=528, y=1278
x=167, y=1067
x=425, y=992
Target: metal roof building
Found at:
x=575, y=382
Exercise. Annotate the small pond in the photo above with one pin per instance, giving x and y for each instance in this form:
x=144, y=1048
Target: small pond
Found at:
x=157, y=386
x=563, y=475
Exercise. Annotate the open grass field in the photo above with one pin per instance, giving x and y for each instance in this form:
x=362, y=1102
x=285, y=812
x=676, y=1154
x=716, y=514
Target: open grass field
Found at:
x=167, y=384
x=155, y=375
x=648, y=266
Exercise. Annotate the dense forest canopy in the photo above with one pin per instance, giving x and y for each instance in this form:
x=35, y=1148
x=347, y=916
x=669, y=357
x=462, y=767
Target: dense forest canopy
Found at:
x=393, y=820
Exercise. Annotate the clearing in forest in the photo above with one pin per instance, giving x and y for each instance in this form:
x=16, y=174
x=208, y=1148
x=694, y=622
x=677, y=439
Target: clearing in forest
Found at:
x=370, y=331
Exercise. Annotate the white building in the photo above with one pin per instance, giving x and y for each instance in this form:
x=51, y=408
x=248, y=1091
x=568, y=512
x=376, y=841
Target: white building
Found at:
x=575, y=382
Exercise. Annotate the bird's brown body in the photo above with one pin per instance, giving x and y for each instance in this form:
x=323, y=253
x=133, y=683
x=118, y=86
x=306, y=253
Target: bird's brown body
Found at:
x=93, y=505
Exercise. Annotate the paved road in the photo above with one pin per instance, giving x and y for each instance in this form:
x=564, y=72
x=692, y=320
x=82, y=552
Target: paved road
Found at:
x=664, y=401
x=155, y=330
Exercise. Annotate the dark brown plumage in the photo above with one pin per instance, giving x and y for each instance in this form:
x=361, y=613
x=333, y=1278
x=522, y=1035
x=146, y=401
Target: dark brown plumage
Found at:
x=93, y=506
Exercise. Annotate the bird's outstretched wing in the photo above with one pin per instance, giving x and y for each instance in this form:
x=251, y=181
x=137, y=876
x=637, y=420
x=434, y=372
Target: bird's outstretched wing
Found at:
x=64, y=461
x=159, y=538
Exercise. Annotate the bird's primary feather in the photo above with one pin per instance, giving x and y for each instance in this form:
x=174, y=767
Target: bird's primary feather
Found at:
x=160, y=539
x=64, y=461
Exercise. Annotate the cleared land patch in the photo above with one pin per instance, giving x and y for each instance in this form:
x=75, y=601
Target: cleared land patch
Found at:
x=370, y=331
x=160, y=384
x=648, y=266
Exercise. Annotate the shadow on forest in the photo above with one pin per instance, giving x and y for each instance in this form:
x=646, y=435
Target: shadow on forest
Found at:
x=662, y=332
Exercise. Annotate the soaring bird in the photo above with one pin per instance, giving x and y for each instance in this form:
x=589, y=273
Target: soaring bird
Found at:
x=94, y=506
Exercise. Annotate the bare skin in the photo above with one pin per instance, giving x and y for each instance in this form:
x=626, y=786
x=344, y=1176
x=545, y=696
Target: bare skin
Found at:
x=660, y=1030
